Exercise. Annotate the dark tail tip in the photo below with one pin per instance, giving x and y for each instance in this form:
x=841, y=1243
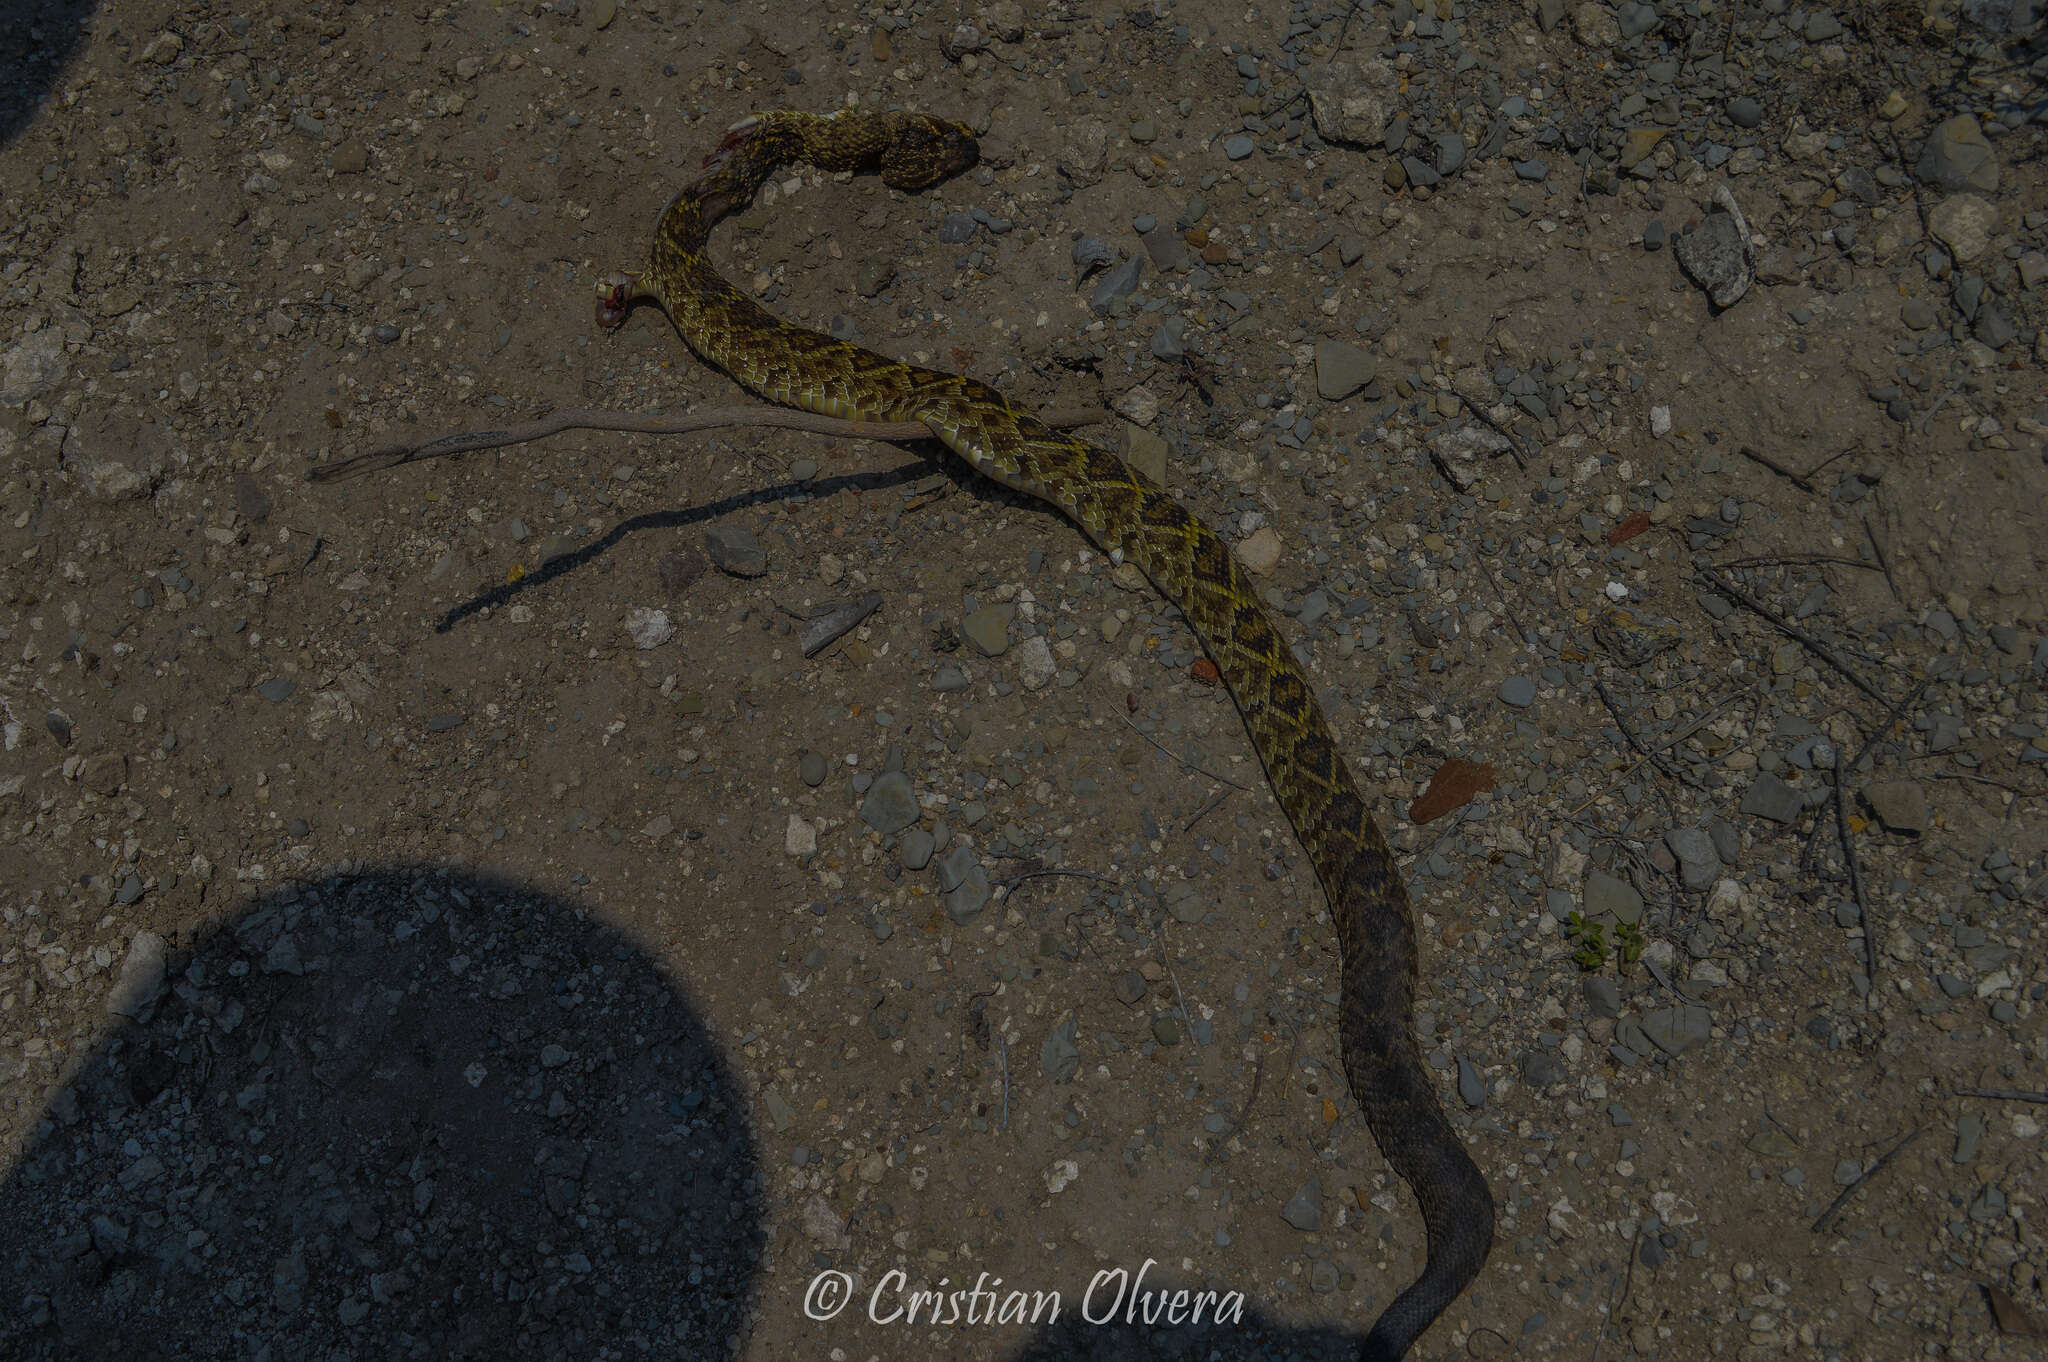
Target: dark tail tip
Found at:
x=1457, y=1210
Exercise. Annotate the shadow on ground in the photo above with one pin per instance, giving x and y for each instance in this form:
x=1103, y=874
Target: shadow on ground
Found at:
x=38, y=38
x=406, y=1113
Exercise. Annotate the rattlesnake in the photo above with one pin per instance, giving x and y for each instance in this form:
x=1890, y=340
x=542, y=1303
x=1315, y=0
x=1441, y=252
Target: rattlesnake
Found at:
x=1134, y=521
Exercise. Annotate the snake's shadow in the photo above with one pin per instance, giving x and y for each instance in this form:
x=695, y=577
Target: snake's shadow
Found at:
x=937, y=460
x=409, y=1112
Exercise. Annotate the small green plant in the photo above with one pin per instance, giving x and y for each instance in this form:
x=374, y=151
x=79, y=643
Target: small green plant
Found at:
x=1590, y=938
x=1590, y=944
x=1629, y=942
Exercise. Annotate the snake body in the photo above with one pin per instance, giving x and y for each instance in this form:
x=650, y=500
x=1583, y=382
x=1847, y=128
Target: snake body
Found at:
x=1133, y=520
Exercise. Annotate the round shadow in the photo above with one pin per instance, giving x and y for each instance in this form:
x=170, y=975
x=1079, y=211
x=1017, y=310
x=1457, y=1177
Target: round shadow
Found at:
x=30, y=66
x=399, y=1114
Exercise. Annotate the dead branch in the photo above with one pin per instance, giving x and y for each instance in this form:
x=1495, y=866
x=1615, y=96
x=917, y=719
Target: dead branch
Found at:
x=648, y=423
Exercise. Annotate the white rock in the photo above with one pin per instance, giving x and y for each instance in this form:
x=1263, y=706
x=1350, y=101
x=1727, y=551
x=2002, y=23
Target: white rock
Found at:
x=801, y=839
x=648, y=628
x=1035, y=667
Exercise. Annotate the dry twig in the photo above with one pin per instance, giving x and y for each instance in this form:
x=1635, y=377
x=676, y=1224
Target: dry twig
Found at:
x=646, y=423
x=1868, y=1173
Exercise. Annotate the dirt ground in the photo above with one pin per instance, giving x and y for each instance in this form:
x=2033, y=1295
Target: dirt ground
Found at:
x=415, y=945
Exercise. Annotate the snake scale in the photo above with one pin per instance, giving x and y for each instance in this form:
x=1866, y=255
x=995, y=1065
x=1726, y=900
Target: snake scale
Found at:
x=1133, y=520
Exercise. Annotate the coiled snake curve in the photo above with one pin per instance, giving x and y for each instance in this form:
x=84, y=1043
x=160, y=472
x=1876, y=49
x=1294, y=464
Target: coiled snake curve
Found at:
x=1133, y=520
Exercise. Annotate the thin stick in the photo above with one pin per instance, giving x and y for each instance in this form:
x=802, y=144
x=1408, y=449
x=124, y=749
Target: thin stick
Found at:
x=1514, y=445
x=1855, y=872
x=1796, y=479
x=1198, y=770
x=1004, y=1042
x=1189, y=826
x=1789, y=629
x=1892, y=717
x=1882, y=561
x=1009, y=886
x=1873, y=1171
x=647, y=423
x=2003, y=1094
x=1695, y=726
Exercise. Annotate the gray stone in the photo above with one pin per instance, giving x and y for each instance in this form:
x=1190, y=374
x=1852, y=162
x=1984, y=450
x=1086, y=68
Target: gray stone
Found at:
x=1957, y=156
x=1120, y=282
x=1771, y=798
x=917, y=848
x=1699, y=864
x=1167, y=343
x=812, y=768
x=1304, y=1210
x=1472, y=1085
x=1969, y=1133
x=142, y=975
x=1059, y=1058
x=1674, y=1030
x=988, y=630
x=1238, y=147
x=963, y=883
x=950, y=677
x=1917, y=314
x=1517, y=692
x=891, y=803
x=1603, y=996
x=278, y=689
x=1900, y=805
x=1035, y=665
x=1636, y=20
x=1167, y=250
x=1822, y=26
x=1717, y=256
x=1351, y=101
x=114, y=456
x=1964, y=223
x=1342, y=369
x=1745, y=112
x=735, y=550
x=1540, y=1068
x=1612, y=898
x=32, y=367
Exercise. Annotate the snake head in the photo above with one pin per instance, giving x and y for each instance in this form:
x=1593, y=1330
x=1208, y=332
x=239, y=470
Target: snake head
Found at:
x=614, y=297
x=925, y=150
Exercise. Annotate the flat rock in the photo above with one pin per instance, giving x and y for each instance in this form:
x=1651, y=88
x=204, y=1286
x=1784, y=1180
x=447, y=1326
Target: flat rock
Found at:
x=1350, y=100
x=1674, y=1030
x=1957, y=156
x=1342, y=369
x=648, y=628
x=114, y=456
x=1035, y=665
x=1900, y=805
x=963, y=883
x=1963, y=223
x=735, y=550
x=1717, y=256
x=1770, y=798
x=1304, y=1210
x=142, y=975
x=32, y=367
x=1608, y=896
x=891, y=803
